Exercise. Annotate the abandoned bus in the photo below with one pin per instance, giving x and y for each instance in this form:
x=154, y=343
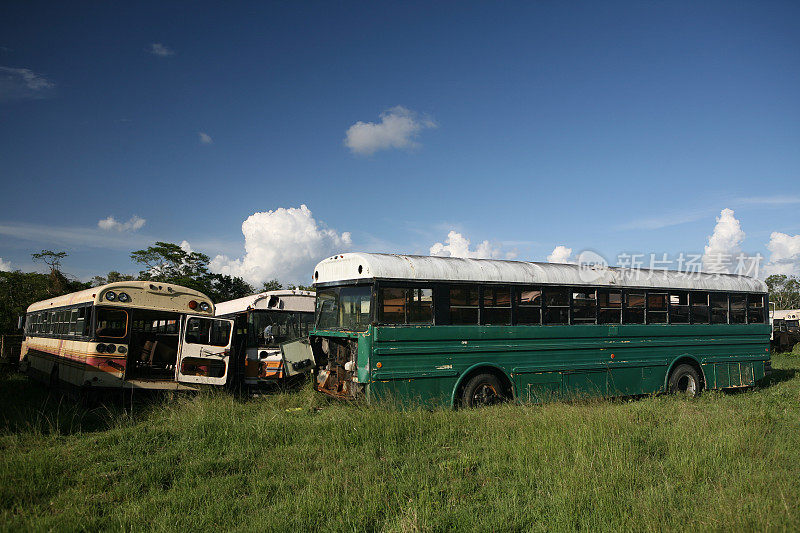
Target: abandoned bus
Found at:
x=467, y=332
x=129, y=334
x=264, y=324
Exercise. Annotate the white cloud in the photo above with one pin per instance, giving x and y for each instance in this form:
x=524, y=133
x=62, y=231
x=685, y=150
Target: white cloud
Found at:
x=205, y=138
x=398, y=128
x=561, y=254
x=186, y=247
x=111, y=223
x=784, y=254
x=283, y=244
x=5, y=266
x=23, y=83
x=458, y=246
x=724, y=245
x=158, y=49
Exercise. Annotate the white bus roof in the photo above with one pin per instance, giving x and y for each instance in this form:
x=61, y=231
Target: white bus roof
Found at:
x=368, y=266
x=282, y=300
x=786, y=314
x=144, y=295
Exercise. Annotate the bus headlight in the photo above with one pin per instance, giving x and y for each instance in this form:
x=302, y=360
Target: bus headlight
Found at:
x=111, y=296
x=110, y=348
x=204, y=307
x=101, y=348
x=123, y=297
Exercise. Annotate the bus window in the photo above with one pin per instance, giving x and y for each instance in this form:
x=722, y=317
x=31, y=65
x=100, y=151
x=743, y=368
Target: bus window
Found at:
x=399, y=305
x=111, y=323
x=755, y=309
x=679, y=308
x=73, y=323
x=497, y=305
x=463, y=304
x=345, y=308
x=529, y=305
x=610, y=302
x=719, y=308
x=392, y=305
x=208, y=331
x=699, y=303
x=738, y=309
x=556, y=302
x=656, y=308
x=584, y=306
x=634, y=308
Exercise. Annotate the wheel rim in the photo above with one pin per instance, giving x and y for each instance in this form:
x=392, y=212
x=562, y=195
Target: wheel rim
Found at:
x=687, y=384
x=485, y=394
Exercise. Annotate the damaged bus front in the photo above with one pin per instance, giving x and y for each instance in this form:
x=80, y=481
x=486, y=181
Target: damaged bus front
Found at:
x=340, y=340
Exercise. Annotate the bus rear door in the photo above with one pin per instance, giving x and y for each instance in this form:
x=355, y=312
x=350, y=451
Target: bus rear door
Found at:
x=205, y=350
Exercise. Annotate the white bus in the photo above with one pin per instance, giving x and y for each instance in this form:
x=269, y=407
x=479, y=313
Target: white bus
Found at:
x=130, y=334
x=265, y=328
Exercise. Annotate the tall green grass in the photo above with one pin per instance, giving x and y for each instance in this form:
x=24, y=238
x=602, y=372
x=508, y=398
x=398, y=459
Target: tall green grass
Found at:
x=725, y=461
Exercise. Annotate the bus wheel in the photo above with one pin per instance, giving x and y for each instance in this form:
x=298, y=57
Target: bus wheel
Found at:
x=685, y=380
x=482, y=390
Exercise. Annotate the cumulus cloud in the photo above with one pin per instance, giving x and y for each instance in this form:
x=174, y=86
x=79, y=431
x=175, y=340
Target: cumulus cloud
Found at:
x=561, y=254
x=111, y=224
x=398, y=128
x=5, y=266
x=158, y=49
x=784, y=255
x=724, y=244
x=459, y=246
x=283, y=244
x=205, y=138
x=23, y=83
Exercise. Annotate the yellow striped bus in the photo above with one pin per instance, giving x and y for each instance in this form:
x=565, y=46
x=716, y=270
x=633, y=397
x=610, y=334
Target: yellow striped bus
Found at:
x=129, y=334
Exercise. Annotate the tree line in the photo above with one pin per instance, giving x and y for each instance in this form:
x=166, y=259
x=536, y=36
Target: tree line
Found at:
x=165, y=262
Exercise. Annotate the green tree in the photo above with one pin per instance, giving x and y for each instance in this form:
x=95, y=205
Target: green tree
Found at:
x=784, y=291
x=271, y=285
x=303, y=287
x=170, y=263
x=58, y=282
x=112, y=277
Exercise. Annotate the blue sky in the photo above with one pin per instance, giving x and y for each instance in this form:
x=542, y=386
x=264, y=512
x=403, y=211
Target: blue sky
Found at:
x=615, y=127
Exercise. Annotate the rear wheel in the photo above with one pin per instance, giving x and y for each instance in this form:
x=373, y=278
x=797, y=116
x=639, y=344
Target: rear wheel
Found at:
x=482, y=390
x=685, y=379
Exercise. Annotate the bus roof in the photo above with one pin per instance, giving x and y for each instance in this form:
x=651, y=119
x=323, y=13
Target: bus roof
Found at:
x=282, y=300
x=367, y=266
x=144, y=294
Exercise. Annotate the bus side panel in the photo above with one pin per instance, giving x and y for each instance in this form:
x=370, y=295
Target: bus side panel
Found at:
x=576, y=359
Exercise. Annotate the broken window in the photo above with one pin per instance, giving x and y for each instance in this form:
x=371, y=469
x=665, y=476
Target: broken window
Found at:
x=584, y=306
x=529, y=305
x=755, y=309
x=679, y=308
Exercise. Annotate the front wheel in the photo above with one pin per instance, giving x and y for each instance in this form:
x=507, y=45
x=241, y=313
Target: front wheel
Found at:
x=684, y=379
x=482, y=390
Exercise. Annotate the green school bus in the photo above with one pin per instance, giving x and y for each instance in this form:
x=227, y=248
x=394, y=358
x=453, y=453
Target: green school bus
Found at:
x=470, y=332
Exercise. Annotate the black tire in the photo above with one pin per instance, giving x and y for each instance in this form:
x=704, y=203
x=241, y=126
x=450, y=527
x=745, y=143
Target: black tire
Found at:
x=685, y=379
x=482, y=390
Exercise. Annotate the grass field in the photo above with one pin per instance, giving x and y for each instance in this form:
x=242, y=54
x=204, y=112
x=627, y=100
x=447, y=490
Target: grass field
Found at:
x=725, y=461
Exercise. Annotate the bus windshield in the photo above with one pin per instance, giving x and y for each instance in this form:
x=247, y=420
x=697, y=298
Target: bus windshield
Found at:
x=345, y=308
x=268, y=329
